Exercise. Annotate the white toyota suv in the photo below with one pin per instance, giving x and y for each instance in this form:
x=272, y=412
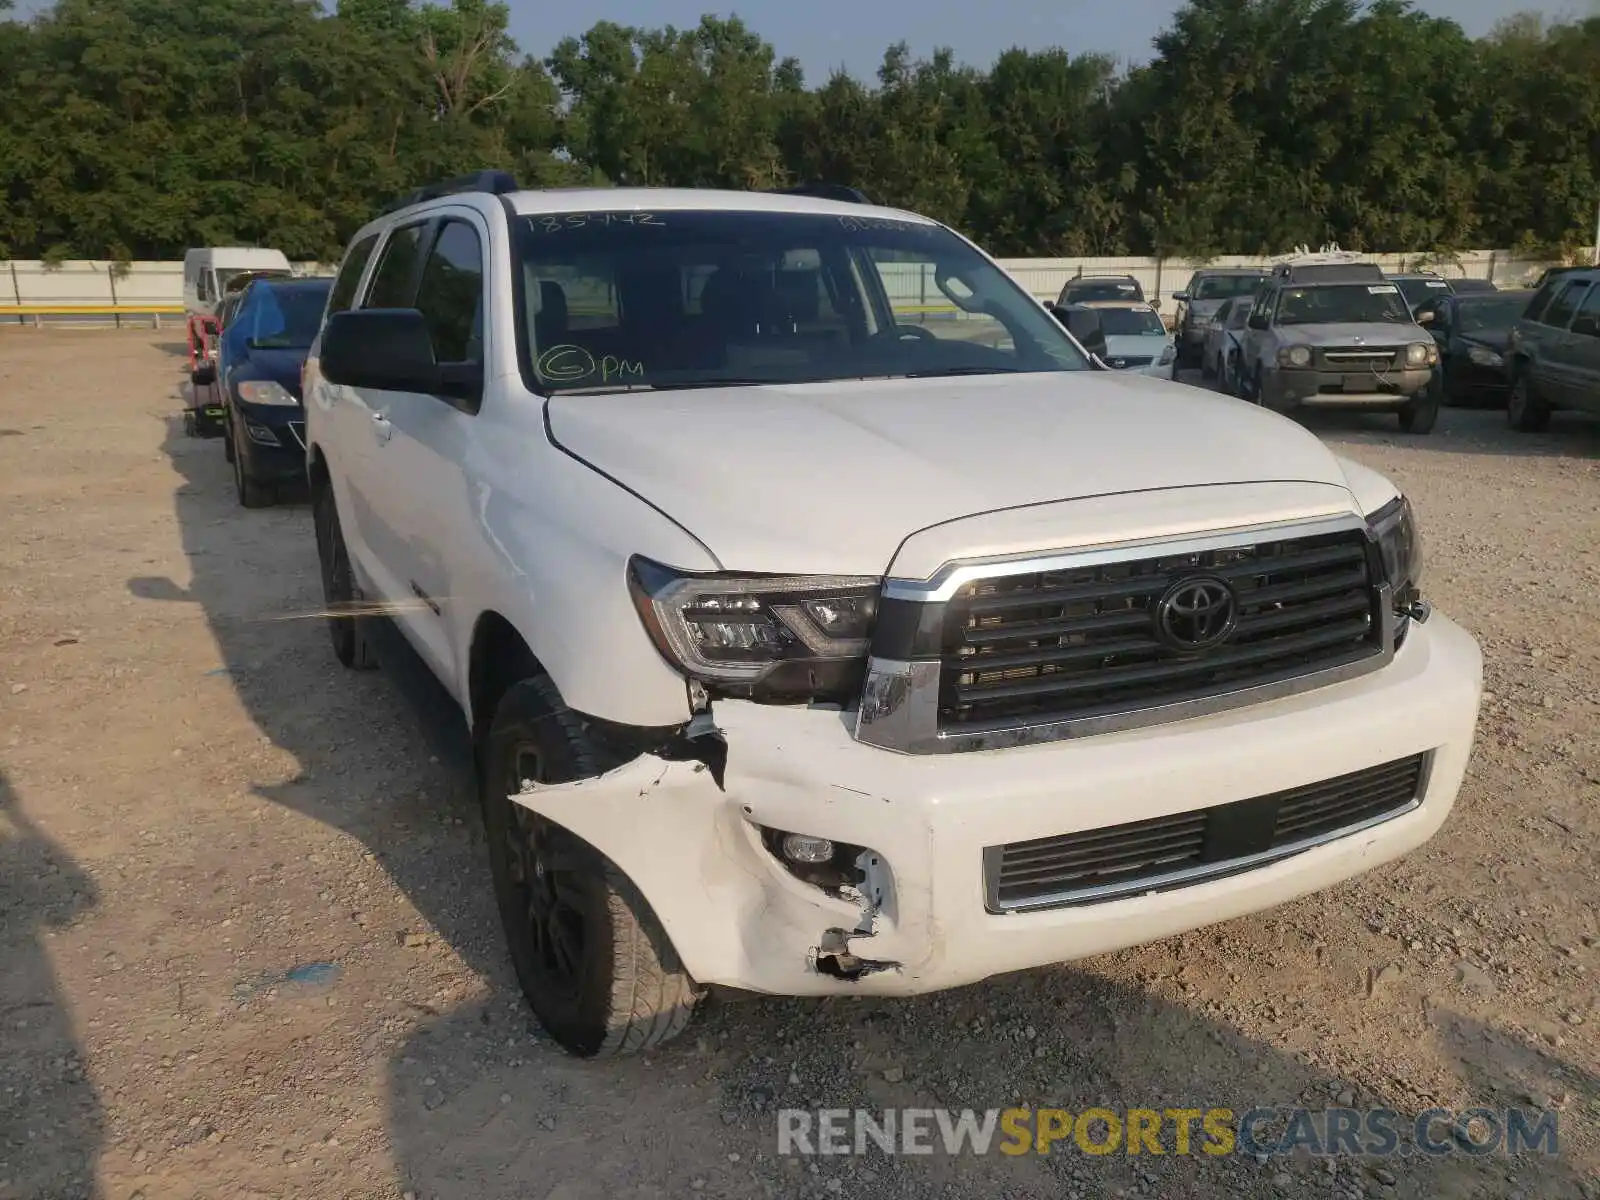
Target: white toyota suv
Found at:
x=814, y=647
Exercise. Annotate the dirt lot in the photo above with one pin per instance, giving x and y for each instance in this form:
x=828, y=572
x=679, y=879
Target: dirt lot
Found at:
x=247, y=946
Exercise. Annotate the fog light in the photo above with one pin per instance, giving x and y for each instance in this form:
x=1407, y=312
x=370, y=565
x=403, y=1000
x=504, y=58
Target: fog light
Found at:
x=799, y=848
x=260, y=433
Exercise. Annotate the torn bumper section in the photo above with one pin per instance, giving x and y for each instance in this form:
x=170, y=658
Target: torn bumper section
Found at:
x=900, y=907
x=702, y=857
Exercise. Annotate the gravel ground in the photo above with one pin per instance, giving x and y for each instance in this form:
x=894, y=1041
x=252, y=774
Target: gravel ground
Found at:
x=249, y=949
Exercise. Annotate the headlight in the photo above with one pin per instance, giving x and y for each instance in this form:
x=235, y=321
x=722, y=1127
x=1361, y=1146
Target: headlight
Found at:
x=261, y=391
x=776, y=638
x=1168, y=353
x=1485, y=357
x=1295, y=356
x=1421, y=354
x=1394, y=527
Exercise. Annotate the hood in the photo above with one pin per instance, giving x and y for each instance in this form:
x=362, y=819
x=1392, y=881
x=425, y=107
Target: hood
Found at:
x=1201, y=311
x=1135, y=345
x=1494, y=339
x=278, y=366
x=831, y=478
x=1345, y=333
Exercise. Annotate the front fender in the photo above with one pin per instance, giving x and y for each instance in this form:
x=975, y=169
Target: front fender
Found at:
x=549, y=553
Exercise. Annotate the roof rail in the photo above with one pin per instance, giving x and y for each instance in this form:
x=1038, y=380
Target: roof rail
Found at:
x=496, y=183
x=826, y=191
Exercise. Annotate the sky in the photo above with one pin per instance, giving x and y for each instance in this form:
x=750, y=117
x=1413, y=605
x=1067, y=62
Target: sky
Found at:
x=853, y=34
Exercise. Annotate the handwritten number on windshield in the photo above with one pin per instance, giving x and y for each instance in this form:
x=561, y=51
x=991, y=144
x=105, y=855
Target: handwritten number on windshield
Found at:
x=558, y=223
x=868, y=224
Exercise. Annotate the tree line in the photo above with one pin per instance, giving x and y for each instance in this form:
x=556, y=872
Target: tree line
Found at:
x=136, y=128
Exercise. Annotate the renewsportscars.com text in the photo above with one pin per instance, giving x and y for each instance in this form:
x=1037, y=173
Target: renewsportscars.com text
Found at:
x=1375, y=1132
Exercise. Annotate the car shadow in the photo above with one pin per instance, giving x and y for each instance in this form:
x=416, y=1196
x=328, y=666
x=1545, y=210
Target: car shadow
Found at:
x=51, y=1122
x=1480, y=431
x=1466, y=431
x=702, y=1116
x=479, y=1102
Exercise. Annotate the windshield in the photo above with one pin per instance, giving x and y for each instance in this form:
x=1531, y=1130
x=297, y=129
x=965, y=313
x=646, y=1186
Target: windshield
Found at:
x=1130, y=322
x=1354, y=302
x=680, y=299
x=1087, y=291
x=1417, y=290
x=285, y=316
x=1490, y=312
x=1223, y=287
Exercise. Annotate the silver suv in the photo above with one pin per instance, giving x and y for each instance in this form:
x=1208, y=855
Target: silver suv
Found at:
x=1338, y=334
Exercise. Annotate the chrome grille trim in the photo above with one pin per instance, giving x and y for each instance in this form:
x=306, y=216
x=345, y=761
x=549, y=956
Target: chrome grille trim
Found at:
x=899, y=710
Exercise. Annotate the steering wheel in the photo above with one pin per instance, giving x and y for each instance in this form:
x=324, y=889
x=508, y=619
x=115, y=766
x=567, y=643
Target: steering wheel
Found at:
x=909, y=333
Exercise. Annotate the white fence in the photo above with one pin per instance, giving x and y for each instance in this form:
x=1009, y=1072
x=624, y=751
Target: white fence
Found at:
x=28, y=284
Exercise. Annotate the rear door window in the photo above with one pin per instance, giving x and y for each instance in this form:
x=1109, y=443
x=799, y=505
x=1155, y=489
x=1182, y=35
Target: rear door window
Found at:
x=1565, y=304
x=1587, y=322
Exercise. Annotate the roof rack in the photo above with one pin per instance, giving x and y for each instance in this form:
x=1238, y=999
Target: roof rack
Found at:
x=496, y=183
x=826, y=191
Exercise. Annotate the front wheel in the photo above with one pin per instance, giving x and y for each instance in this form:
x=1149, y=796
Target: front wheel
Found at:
x=1526, y=410
x=1250, y=385
x=1421, y=412
x=252, y=492
x=346, y=629
x=596, y=966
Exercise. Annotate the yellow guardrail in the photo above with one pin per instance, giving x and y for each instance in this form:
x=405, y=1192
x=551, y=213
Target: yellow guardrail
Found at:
x=88, y=310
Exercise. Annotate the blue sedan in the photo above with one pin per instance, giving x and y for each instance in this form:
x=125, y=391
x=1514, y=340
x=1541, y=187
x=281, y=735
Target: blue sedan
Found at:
x=263, y=350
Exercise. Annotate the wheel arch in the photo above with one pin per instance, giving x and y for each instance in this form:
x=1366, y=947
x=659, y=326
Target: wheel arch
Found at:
x=498, y=656
x=317, y=468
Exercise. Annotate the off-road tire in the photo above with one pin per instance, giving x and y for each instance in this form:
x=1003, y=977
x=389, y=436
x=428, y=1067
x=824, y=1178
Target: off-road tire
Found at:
x=1526, y=410
x=351, y=645
x=631, y=991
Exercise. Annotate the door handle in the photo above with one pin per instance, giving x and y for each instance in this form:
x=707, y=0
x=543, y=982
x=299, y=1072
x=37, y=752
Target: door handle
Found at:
x=381, y=427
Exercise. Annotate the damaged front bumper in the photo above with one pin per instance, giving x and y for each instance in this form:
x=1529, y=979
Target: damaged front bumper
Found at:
x=918, y=921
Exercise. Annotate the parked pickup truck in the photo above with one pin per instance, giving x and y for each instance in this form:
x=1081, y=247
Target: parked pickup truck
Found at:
x=809, y=651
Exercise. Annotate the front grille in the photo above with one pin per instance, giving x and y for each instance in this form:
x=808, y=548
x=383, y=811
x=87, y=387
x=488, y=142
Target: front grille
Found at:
x=1065, y=645
x=1373, y=358
x=1190, y=847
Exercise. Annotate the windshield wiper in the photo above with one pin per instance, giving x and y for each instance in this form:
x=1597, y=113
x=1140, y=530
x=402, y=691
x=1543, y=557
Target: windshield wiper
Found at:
x=612, y=389
x=934, y=374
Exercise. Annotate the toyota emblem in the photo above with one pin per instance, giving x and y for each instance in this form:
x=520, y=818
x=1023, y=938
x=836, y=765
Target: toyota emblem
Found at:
x=1196, y=613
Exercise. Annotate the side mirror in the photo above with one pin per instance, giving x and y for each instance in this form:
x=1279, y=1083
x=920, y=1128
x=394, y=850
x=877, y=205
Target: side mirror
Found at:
x=390, y=349
x=1257, y=321
x=1425, y=318
x=1181, y=297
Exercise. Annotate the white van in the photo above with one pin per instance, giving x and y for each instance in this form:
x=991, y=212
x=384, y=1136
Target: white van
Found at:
x=207, y=269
